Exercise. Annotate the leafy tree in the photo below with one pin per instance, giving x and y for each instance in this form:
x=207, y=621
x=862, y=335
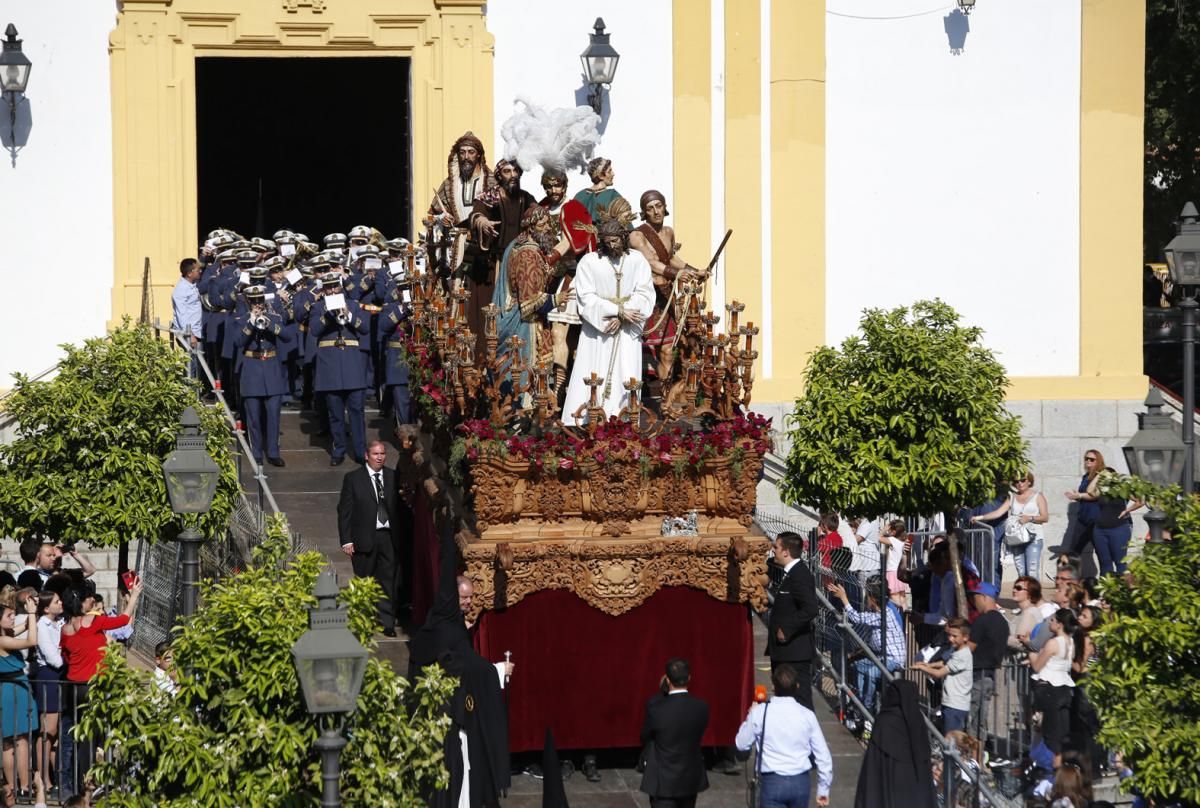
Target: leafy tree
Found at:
x=1146, y=683
x=907, y=417
x=237, y=732
x=87, y=460
x=1172, y=125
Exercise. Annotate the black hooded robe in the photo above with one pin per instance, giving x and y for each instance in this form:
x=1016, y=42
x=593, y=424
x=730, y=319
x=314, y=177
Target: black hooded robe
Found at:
x=477, y=705
x=896, y=771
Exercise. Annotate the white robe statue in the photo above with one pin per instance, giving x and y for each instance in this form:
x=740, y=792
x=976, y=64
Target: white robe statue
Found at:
x=602, y=286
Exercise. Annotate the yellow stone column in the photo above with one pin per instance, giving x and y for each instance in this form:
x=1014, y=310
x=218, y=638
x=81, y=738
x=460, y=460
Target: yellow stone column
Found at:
x=692, y=126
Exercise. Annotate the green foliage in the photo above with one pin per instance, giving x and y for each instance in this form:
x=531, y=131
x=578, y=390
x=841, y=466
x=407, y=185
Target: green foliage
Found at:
x=907, y=418
x=1146, y=684
x=237, y=732
x=87, y=460
x=1172, y=123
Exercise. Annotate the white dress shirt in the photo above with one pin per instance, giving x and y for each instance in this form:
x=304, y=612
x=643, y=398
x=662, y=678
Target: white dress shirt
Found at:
x=792, y=735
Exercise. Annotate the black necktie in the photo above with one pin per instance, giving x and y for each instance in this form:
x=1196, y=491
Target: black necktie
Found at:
x=381, y=513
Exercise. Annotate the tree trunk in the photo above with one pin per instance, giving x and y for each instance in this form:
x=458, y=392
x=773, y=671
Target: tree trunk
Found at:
x=960, y=589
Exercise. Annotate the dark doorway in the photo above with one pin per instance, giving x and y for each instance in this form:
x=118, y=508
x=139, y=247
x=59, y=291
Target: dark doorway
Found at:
x=314, y=145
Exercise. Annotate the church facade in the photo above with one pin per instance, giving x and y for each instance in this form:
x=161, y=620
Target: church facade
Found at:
x=865, y=153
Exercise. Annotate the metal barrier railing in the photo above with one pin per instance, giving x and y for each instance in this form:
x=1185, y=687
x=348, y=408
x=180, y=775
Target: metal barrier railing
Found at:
x=39, y=721
x=849, y=662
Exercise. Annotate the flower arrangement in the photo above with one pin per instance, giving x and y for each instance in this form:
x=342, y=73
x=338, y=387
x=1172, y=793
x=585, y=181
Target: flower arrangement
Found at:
x=676, y=449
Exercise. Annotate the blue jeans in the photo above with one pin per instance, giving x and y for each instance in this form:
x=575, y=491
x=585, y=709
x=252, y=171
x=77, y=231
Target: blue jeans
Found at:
x=783, y=790
x=953, y=719
x=1111, y=544
x=1028, y=558
x=868, y=679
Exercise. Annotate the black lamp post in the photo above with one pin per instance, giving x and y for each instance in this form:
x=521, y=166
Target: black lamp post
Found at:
x=191, y=476
x=330, y=663
x=1156, y=454
x=599, y=64
x=1183, y=264
x=14, y=78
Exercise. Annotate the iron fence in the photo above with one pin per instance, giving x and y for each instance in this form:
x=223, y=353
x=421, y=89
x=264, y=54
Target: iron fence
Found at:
x=39, y=722
x=855, y=655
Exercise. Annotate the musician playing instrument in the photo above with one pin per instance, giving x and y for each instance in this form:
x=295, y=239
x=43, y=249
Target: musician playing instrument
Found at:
x=336, y=329
x=258, y=339
x=656, y=241
x=616, y=295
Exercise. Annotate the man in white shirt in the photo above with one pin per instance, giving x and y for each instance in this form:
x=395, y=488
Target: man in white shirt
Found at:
x=786, y=734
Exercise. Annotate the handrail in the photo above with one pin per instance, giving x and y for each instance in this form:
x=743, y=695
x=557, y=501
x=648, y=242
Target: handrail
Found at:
x=181, y=337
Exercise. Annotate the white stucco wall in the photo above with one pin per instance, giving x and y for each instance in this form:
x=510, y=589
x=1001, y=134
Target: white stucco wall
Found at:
x=56, y=242
x=538, y=43
x=957, y=175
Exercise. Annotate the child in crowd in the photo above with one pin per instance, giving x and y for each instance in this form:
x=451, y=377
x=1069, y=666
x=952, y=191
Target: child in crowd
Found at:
x=957, y=675
x=164, y=668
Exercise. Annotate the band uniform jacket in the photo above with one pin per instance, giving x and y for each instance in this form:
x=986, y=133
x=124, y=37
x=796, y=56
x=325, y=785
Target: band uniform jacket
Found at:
x=357, y=506
x=671, y=736
x=794, y=611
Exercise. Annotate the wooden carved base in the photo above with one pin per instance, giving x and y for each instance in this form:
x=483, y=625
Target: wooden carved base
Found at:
x=616, y=575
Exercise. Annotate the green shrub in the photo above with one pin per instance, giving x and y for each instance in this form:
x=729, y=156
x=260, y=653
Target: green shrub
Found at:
x=86, y=464
x=237, y=733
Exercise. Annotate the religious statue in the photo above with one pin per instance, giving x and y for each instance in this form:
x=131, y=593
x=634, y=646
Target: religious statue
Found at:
x=526, y=271
x=656, y=241
x=616, y=295
x=467, y=177
x=495, y=222
x=573, y=227
x=599, y=198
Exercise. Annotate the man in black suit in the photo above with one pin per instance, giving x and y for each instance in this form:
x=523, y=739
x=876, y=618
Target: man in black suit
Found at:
x=369, y=516
x=790, y=633
x=671, y=735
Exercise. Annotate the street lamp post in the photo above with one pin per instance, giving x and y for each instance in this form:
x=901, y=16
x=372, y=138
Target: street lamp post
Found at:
x=1183, y=265
x=330, y=663
x=191, y=477
x=599, y=64
x=1156, y=454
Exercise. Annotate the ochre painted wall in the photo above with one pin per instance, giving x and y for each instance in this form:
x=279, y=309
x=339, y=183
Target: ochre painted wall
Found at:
x=152, y=57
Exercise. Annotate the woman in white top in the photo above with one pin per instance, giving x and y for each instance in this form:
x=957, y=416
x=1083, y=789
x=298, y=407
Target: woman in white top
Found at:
x=1026, y=508
x=1053, y=686
x=47, y=688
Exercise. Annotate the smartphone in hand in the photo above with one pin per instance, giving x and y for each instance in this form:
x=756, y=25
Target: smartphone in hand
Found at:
x=130, y=579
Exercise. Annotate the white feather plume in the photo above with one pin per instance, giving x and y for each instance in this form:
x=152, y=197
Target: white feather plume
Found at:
x=554, y=138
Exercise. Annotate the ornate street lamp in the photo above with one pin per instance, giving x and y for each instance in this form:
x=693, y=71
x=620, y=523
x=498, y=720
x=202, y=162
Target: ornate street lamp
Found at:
x=965, y=6
x=1183, y=265
x=1155, y=454
x=330, y=663
x=599, y=64
x=191, y=477
x=14, y=78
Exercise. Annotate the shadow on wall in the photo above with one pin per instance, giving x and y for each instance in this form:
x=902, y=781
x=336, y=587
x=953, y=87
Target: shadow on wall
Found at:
x=581, y=100
x=957, y=27
x=14, y=137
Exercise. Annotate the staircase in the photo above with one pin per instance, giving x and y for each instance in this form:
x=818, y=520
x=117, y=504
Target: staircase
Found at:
x=307, y=491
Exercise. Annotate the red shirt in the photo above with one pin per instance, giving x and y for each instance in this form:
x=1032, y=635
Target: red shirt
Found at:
x=827, y=544
x=83, y=650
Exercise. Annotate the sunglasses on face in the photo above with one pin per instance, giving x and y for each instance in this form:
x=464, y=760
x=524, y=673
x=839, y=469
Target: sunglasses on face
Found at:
x=1089, y=460
x=1018, y=589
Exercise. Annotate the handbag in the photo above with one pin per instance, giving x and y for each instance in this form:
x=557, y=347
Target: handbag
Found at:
x=1015, y=533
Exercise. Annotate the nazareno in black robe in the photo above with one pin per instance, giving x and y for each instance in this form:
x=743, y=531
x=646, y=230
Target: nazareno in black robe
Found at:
x=896, y=770
x=477, y=705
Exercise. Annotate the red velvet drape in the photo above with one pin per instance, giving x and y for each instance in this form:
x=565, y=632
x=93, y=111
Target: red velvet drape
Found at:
x=425, y=559
x=587, y=675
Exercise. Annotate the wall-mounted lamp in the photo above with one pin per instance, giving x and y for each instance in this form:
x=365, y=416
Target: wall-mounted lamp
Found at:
x=965, y=6
x=599, y=64
x=14, y=78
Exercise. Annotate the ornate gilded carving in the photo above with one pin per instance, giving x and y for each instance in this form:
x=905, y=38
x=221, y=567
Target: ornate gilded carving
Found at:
x=507, y=492
x=615, y=576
